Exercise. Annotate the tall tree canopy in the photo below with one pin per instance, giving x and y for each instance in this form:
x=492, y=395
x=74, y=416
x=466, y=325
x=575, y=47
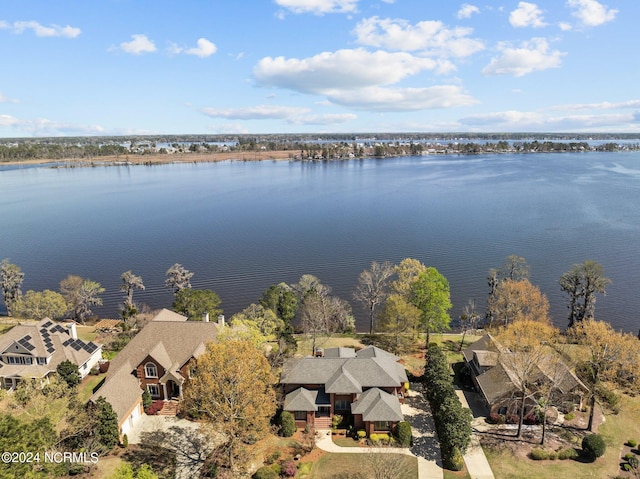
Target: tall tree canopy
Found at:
x=80, y=295
x=231, y=389
x=194, y=303
x=610, y=358
x=515, y=300
x=581, y=284
x=11, y=277
x=178, y=277
x=430, y=294
x=515, y=268
x=371, y=290
x=41, y=304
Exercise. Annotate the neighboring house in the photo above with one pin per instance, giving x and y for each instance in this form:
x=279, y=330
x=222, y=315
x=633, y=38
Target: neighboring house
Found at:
x=488, y=362
x=366, y=388
x=157, y=359
x=33, y=351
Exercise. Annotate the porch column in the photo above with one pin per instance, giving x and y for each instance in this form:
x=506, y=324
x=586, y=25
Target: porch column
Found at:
x=164, y=390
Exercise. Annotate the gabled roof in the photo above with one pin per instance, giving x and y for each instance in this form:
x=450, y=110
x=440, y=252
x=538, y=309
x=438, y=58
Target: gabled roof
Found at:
x=339, y=353
x=499, y=378
x=377, y=405
x=342, y=382
x=172, y=341
x=44, y=339
x=173, y=373
x=121, y=389
x=347, y=375
x=301, y=400
x=168, y=315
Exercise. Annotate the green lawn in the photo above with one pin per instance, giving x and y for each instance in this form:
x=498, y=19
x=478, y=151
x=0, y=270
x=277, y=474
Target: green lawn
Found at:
x=85, y=389
x=340, y=465
x=616, y=430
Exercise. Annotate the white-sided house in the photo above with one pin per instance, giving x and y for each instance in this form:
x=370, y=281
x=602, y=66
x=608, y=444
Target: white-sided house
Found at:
x=34, y=351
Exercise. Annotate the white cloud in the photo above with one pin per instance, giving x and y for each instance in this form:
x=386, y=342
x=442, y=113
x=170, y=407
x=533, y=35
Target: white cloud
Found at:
x=204, y=49
x=360, y=79
x=5, y=99
x=259, y=112
x=292, y=115
x=319, y=7
x=228, y=129
x=402, y=99
x=536, y=121
x=605, y=105
x=432, y=37
x=327, y=119
x=527, y=15
x=343, y=69
x=41, y=30
x=45, y=127
x=466, y=10
x=565, y=26
x=591, y=13
x=531, y=56
x=139, y=45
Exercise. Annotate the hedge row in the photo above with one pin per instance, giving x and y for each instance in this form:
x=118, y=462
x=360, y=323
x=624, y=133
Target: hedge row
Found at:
x=453, y=421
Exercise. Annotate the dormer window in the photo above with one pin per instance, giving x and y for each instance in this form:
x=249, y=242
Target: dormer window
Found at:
x=150, y=370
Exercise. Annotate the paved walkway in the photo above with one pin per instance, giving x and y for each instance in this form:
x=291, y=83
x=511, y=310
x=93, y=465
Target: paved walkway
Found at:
x=425, y=443
x=476, y=461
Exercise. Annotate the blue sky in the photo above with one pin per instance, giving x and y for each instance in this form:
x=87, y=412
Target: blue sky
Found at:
x=120, y=67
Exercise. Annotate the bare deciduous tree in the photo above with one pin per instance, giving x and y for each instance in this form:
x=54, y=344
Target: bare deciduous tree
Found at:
x=372, y=288
x=178, y=277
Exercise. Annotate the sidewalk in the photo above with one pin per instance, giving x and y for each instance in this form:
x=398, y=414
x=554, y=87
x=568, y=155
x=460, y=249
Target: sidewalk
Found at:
x=476, y=461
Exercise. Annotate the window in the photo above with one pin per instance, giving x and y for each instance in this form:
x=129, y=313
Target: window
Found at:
x=154, y=390
x=42, y=361
x=150, y=370
x=18, y=360
x=300, y=415
x=343, y=405
x=382, y=425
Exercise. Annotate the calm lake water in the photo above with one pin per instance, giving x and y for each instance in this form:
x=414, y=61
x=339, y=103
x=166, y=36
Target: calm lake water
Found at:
x=241, y=226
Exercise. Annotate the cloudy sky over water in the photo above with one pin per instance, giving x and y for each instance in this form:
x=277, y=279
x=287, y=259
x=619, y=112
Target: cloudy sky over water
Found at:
x=119, y=67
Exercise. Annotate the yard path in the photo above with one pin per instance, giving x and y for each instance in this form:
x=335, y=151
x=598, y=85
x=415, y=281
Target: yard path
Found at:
x=425, y=442
x=474, y=458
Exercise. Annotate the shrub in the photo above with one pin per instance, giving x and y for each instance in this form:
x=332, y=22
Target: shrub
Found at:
x=146, y=399
x=273, y=457
x=567, y=453
x=403, y=434
x=361, y=434
x=287, y=424
x=627, y=467
x=265, y=472
x=125, y=441
x=538, y=454
x=593, y=446
x=289, y=469
x=627, y=456
x=632, y=443
x=455, y=462
x=155, y=407
x=374, y=438
x=569, y=416
x=336, y=420
x=633, y=462
x=384, y=438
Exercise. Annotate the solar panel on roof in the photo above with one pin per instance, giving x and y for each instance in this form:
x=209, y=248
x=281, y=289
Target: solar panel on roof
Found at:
x=47, y=324
x=67, y=342
x=27, y=337
x=30, y=347
x=76, y=346
x=51, y=349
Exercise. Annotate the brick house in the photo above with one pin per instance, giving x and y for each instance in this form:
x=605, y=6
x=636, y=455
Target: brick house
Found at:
x=365, y=387
x=488, y=363
x=34, y=351
x=157, y=359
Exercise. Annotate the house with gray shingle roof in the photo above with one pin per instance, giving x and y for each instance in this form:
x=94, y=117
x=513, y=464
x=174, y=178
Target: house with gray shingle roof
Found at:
x=489, y=364
x=158, y=359
x=365, y=387
x=34, y=351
